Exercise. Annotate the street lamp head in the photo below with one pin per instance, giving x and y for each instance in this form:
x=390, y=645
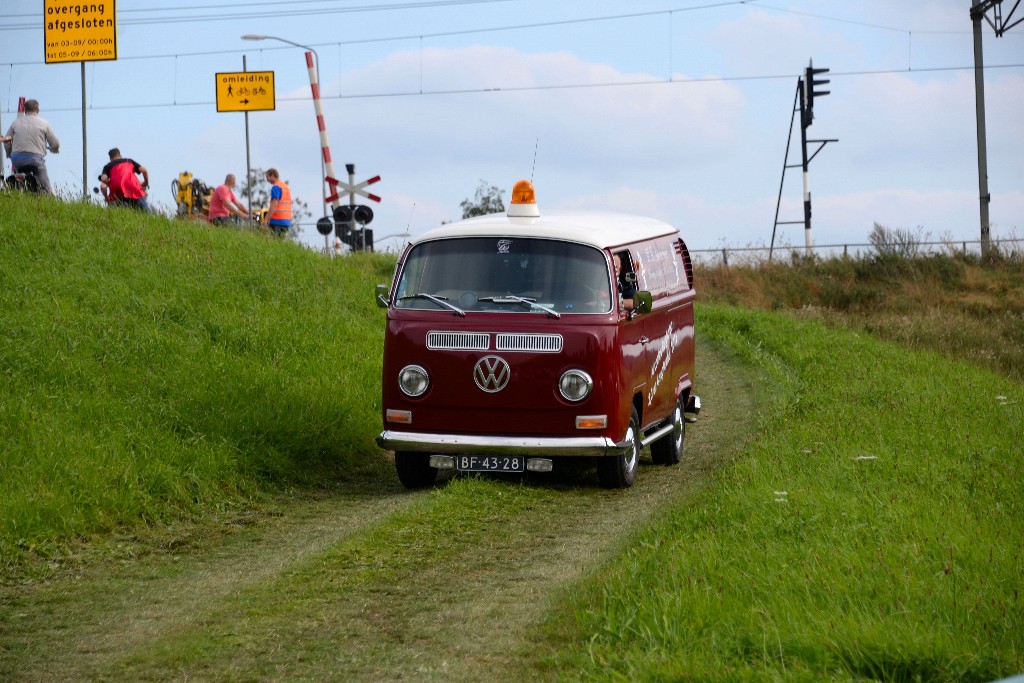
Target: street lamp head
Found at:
x=256, y=36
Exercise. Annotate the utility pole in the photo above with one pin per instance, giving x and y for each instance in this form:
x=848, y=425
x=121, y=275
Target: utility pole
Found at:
x=979, y=8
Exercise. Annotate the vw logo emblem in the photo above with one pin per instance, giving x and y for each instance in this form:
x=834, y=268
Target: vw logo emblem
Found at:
x=491, y=374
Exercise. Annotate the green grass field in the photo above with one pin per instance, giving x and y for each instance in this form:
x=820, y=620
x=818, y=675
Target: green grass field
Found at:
x=154, y=369
x=872, y=531
x=156, y=373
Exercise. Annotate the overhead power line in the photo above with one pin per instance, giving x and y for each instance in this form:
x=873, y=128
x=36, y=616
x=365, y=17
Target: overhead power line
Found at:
x=241, y=9
x=529, y=88
x=293, y=12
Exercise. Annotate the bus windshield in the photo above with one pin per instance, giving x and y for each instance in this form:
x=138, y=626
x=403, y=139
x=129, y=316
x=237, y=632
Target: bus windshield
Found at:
x=506, y=274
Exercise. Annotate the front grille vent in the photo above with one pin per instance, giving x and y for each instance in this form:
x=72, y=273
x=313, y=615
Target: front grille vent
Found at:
x=458, y=341
x=538, y=343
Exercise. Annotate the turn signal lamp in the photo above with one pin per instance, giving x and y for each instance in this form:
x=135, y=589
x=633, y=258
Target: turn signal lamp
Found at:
x=399, y=416
x=524, y=201
x=591, y=421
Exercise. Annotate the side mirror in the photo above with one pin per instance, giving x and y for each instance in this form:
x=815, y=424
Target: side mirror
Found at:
x=382, y=296
x=642, y=302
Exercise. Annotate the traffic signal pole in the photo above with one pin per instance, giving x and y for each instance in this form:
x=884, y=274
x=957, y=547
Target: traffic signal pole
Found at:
x=804, y=163
x=806, y=91
x=810, y=91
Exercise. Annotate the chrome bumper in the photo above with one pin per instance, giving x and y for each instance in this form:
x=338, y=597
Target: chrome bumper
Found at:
x=500, y=445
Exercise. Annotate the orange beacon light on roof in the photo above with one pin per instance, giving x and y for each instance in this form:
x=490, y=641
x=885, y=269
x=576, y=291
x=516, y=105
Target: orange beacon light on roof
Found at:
x=524, y=201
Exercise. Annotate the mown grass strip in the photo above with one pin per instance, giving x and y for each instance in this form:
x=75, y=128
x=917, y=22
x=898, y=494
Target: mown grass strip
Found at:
x=872, y=531
x=362, y=609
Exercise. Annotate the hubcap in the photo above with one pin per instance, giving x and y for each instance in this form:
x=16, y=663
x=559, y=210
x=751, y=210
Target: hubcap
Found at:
x=634, y=450
x=677, y=426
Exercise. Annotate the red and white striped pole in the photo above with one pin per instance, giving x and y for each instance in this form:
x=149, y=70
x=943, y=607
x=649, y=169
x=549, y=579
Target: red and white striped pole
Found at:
x=325, y=149
x=21, y=112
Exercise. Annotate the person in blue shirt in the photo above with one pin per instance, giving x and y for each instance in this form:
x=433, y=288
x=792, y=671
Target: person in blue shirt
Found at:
x=279, y=213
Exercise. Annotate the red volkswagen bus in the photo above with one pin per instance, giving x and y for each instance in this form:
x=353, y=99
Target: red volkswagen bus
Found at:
x=516, y=340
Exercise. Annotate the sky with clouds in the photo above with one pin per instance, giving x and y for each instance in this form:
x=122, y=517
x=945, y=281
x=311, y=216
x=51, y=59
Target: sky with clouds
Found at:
x=674, y=109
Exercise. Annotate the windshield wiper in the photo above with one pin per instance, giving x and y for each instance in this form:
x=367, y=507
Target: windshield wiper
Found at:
x=441, y=301
x=527, y=301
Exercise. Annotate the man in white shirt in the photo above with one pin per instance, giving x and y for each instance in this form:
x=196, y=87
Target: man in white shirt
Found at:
x=27, y=141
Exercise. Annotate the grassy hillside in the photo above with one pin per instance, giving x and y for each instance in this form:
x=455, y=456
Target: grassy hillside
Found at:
x=949, y=303
x=152, y=369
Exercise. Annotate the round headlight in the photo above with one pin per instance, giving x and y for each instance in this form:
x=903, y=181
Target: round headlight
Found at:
x=413, y=380
x=575, y=385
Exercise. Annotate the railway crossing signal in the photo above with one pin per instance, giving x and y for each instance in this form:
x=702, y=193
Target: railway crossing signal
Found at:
x=347, y=217
x=351, y=188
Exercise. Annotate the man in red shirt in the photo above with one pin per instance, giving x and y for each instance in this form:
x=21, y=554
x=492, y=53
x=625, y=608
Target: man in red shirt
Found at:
x=223, y=203
x=124, y=188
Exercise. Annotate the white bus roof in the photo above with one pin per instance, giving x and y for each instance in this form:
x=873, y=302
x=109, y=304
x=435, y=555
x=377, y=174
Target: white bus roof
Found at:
x=598, y=229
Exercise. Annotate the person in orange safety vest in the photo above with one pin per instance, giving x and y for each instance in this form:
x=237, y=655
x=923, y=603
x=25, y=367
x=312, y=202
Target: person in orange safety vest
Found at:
x=280, y=210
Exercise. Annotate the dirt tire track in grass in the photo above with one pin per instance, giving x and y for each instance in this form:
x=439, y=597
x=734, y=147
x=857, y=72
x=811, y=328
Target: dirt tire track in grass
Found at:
x=303, y=597
x=109, y=610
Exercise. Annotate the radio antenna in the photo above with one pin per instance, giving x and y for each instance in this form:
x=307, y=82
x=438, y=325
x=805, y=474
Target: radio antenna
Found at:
x=535, y=146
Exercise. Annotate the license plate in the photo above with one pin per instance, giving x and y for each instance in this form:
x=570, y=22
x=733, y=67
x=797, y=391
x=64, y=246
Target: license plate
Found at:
x=490, y=463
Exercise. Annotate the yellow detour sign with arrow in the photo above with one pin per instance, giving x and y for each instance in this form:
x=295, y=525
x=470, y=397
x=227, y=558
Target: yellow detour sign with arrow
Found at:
x=245, y=91
x=78, y=31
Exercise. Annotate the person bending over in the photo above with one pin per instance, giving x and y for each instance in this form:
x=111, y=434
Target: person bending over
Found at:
x=120, y=176
x=224, y=204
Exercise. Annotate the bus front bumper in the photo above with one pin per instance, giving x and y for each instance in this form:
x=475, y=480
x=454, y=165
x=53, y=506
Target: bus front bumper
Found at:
x=463, y=444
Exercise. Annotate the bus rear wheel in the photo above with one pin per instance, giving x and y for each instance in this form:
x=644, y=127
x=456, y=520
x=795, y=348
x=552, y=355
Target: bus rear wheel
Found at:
x=668, y=450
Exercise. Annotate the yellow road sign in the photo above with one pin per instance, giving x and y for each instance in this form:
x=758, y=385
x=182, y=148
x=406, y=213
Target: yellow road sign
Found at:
x=245, y=91
x=79, y=31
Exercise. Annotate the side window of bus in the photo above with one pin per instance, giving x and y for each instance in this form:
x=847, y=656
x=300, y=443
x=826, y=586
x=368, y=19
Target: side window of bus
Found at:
x=625, y=274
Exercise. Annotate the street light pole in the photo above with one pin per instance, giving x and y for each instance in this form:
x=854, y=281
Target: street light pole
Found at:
x=326, y=167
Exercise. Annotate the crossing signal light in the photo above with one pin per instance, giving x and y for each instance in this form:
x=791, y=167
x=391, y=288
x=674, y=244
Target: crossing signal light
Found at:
x=343, y=214
x=362, y=214
x=348, y=214
x=346, y=220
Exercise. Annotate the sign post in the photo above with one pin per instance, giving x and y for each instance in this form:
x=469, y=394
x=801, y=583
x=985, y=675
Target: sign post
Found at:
x=246, y=91
x=77, y=31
